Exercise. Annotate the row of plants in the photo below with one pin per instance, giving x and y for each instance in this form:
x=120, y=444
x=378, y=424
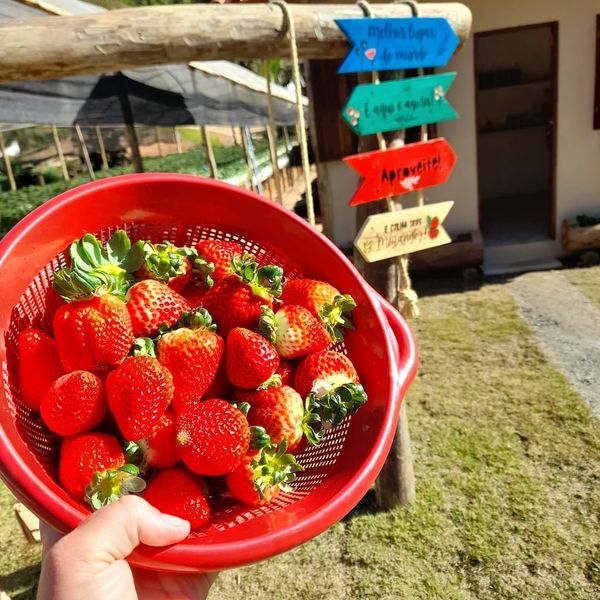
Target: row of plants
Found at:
x=230, y=162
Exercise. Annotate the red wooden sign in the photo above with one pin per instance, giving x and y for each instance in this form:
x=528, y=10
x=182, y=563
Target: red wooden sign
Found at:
x=401, y=170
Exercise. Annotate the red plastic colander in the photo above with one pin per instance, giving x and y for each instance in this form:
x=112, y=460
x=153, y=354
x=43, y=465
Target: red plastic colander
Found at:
x=185, y=209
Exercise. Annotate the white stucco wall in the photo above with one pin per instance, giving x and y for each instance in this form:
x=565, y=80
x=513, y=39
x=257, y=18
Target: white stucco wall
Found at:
x=578, y=151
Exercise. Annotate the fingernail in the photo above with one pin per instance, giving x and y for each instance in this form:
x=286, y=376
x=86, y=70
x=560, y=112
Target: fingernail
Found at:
x=176, y=522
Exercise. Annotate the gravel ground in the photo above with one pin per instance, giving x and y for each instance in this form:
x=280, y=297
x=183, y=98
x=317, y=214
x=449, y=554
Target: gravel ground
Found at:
x=567, y=325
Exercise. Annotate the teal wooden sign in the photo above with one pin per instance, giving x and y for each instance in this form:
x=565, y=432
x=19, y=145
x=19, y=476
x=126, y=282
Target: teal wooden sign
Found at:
x=379, y=107
x=385, y=44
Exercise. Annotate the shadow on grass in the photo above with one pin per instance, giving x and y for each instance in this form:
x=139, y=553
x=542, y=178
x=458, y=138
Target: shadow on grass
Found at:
x=21, y=584
x=367, y=506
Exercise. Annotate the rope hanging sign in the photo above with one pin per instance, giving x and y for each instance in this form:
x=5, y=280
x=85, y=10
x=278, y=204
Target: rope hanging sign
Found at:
x=391, y=44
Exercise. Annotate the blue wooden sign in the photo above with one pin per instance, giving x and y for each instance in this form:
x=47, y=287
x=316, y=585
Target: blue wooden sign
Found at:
x=384, y=44
x=398, y=104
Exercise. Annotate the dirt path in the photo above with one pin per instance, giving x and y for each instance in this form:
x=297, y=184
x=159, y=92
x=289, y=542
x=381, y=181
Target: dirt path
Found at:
x=568, y=327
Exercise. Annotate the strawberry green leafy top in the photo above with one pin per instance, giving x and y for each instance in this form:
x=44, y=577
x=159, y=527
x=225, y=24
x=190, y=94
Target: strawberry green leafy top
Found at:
x=95, y=271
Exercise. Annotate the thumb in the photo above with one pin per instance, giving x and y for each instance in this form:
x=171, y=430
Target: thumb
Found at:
x=116, y=530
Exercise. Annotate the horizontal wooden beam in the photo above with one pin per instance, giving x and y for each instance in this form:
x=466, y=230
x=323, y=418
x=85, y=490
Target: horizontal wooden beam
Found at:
x=52, y=47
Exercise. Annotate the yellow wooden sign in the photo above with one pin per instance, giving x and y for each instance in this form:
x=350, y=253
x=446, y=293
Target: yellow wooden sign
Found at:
x=396, y=233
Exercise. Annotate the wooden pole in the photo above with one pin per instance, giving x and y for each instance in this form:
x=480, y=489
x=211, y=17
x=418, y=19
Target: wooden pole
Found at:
x=395, y=485
x=286, y=139
x=210, y=155
x=177, y=139
x=136, y=156
x=7, y=166
x=101, y=147
x=248, y=160
x=157, y=134
x=234, y=136
x=84, y=150
x=272, y=135
x=59, y=150
x=114, y=40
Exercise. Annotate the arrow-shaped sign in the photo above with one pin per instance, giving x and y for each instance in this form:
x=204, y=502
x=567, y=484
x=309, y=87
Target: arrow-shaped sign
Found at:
x=396, y=233
x=384, y=44
x=401, y=170
x=377, y=107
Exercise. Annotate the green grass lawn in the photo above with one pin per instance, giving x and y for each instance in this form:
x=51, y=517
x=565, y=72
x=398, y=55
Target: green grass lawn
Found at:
x=587, y=281
x=506, y=459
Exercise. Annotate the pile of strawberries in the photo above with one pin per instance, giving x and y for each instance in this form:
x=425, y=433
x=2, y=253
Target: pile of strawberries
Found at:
x=188, y=374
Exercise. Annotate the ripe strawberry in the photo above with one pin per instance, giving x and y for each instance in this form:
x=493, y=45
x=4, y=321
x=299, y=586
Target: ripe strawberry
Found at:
x=93, y=468
x=138, y=393
x=93, y=335
x=328, y=365
x=250, y=359
x=158, y=447
x=286, y=371
x=74, y=403
x=177, y=492
x=213, y=437
x=220, y=387
x=194, y=293
x=167, y=263
x=323, y=300
x=237, y=300
x=294, y=331
x=262, y=474
x=152, y=304
x=220, y=253
x=39, y=366
x=192, y=354
x=279, y=410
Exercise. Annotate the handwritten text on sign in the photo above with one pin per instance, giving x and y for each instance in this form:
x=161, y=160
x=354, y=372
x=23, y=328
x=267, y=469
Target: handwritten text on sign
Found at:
x=373, y=108
x=384, y=44
x=401, y=170
x=393, y=234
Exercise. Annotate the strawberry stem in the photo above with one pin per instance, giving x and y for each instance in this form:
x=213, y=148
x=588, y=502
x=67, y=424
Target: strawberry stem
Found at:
x=273, y=381
x=265, y=282
x=327, y=406
x=198, y=319
x=334, y=316
x=267, y=324
x=259, y=438
x=274, y=467
x=165, y=260
x=95, y=271
x=110, y=485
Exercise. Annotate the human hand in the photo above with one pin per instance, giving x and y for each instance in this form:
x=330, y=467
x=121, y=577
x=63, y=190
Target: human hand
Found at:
x=89, y=563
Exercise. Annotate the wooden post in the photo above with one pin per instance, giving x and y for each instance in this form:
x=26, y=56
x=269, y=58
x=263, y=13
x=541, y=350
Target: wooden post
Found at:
x=136, y=156
x=84, y=150
x=101, y=147
x=34, y=48
x=286, y=139
x=157, y=134
x=177, y=139
x=395, y=485
x=210, y=155
x=248, y=160
x=234, y=136
x=272, y=135
x=7, y=165
x=59, y=150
